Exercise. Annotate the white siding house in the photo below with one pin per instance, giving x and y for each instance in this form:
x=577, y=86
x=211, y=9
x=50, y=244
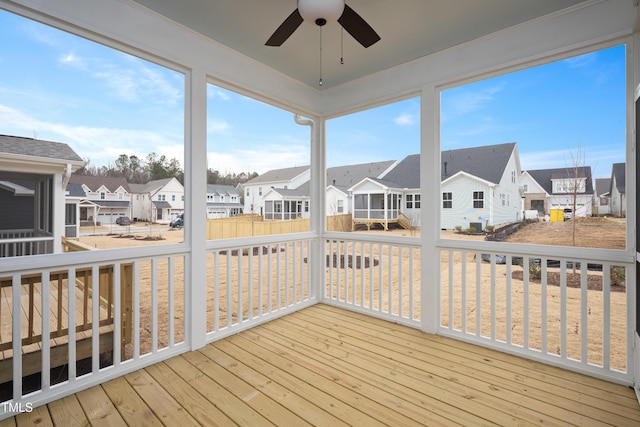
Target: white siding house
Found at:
x=288, y=178
x=107, y=198
x=558, y=185
x=602, y=197
x=223, y=201
x=158, y=201
x=618, y=190
x=479, y=186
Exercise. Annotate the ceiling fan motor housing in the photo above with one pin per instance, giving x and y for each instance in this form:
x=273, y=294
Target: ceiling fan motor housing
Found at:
x=318, y=10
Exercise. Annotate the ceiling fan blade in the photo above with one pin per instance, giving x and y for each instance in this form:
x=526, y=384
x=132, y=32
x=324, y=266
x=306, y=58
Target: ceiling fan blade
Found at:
x=358, y=27
x=285, y=29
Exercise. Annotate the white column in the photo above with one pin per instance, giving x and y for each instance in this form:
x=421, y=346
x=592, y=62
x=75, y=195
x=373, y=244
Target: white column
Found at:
x=317, y=204
x=195, y=216
x=429, y=208
x=58, y=212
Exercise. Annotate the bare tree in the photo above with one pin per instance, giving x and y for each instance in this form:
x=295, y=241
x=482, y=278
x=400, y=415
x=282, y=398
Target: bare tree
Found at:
x=576, y=183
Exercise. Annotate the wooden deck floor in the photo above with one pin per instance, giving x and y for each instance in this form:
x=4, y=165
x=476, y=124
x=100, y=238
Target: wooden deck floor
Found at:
x=329, y=367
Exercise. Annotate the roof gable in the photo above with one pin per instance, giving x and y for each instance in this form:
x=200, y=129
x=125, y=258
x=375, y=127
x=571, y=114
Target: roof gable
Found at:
x=93, y=183
x=618, y=175
x=279, y=175
x=545, y=177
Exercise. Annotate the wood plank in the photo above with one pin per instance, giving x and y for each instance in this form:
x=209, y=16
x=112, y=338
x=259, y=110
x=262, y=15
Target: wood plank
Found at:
x=327, y=366
x=270, y=386
x=129, y=404
x=38, y=417
x=98, y=407
x=511, y=367
x=232, y=406
x=592, y=408
x=68, y=412
x=204, y=411
x=161, y=403
x=422, y=405
x=252, y=396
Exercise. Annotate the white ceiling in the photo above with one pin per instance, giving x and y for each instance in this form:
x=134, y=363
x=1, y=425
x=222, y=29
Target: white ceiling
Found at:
x=409, y=29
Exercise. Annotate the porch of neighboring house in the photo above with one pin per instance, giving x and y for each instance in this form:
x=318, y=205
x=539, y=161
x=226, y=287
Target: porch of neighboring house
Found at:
x=44, y=303
x=27, y=221
x=329, y=366
x=382, y=208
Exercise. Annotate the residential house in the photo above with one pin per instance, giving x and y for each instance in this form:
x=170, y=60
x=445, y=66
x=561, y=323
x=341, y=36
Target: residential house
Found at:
x=340, y=291
x=618, y=190
x=556, y=188
x=479, y=187
x=33, y=177
x=106, y=199
x=255, y=189
x=291, y=200
x=158, y=201
x=602, y=197
x=223, y=201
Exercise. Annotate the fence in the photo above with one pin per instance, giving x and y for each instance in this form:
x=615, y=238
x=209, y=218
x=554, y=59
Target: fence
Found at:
x=253, y=225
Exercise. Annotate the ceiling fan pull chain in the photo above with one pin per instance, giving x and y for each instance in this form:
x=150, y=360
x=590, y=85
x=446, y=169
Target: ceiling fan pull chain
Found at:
x=320, y=81
x=341, y=45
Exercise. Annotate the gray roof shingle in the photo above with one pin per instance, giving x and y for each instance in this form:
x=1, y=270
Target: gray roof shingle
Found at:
x=618, y=172
x=544, y=177
x=38, y=148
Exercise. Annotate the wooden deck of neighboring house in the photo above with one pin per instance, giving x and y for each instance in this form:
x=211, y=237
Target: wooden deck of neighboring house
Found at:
x=329, y=366
x=31, y=302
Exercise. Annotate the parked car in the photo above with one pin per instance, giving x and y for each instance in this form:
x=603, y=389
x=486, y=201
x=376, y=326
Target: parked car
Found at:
x=123, y=220
x=568, y=214
x=178, y=222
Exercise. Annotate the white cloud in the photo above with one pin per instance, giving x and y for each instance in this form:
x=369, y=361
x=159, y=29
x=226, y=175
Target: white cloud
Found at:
x=259, y=159
x=100, y=145
x=405, y=119
x=217, y=126
x=462, y=101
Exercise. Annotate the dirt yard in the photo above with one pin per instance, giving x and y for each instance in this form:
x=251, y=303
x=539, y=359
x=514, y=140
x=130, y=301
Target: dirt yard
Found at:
x=591, y=232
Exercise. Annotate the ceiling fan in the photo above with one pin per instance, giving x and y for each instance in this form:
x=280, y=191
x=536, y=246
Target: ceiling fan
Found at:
x=320, y=12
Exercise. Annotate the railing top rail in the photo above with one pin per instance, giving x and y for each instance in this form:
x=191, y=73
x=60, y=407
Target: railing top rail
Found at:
x=243, y=242
x=373, y=238
x=540, y=251
x=78, y=260
x=25, y=239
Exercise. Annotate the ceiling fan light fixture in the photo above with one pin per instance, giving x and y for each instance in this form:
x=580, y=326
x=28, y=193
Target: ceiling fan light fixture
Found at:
x=314, y=10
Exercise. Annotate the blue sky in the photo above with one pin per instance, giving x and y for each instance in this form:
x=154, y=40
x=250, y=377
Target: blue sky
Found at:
x=104, y=103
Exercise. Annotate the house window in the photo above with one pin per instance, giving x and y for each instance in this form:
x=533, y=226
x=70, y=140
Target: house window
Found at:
x=306, y=206
x=182, y=198
x=259, y=191
x=413, y=201
x=478, y=199
x=340, y=206
x=248, y=193
x=103, y=195
x=120, y=196
x=447, y=200
x=525, y=188
x=173, y=197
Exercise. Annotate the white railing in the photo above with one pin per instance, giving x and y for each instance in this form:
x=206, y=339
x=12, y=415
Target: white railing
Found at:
x=126, y=306
x=570, y=307
x=15, y=243
x=375, y=275
x=251, y=283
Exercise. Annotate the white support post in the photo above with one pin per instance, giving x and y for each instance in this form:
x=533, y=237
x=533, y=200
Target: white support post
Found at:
x=429, y=212
x=318, y=209
x=195, y=207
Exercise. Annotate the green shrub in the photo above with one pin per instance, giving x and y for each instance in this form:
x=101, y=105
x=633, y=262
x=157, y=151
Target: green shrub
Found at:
x=535, y=270
x=618, y=275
